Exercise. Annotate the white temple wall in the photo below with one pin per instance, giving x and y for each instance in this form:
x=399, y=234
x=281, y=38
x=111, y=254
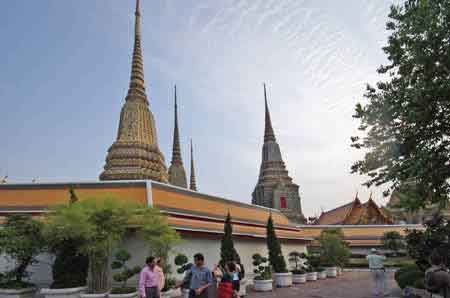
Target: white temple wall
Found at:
x=210, y=248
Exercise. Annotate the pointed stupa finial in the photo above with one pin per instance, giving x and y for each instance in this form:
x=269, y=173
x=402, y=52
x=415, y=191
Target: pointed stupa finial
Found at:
x=177, y=174
x=137, y=88
x=370, y=197
x=269, y=135
x=176, y=149
x=193, y=182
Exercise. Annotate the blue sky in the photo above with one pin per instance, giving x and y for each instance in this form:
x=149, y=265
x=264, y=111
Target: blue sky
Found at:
x=65, y=70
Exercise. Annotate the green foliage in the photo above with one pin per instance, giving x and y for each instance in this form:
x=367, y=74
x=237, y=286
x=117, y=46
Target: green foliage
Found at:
x=421, y=243
x=170, y=283
x=313, y=262
x=405, y=122
x=70, y=268
x=333, y=250
x=409, y=276
x=21, y=240
x=73, y=198
x=120, y=263
x=393, y=241
x=98, y=224
x=227, y=251
x=157, y=233
x=276, y=258
x=182, y=262
x=297, y=258
x=262, y=269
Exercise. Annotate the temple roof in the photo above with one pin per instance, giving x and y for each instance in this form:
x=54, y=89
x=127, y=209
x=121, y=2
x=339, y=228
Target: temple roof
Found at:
x=187, y=211
x=355, y=213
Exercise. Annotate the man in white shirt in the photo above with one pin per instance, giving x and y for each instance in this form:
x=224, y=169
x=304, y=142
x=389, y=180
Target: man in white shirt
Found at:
x=376, y=265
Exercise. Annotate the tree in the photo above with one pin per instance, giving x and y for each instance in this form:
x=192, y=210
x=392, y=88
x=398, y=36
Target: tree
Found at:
x=227, y=251
x=393, y=241
x=333, y=250
x=421, y=243
x=70, y=267
x=406, y=119
x=276, y=258
x=158, y=235
x=21, y=240
x=298, y=259
x=262, y=271
x=99, y=224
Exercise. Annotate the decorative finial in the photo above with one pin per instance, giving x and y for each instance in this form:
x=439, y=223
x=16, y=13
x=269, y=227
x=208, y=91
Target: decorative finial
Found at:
x=269, y=135
x=193, y=182
x=137, y=7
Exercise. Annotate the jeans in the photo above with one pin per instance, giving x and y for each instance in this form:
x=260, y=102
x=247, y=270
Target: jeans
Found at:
x=379, y=277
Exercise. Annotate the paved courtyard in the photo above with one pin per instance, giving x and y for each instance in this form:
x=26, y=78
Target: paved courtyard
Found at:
x=348, y=285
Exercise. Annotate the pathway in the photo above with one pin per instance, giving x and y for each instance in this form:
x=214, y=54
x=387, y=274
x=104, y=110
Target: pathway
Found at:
x=348, y=285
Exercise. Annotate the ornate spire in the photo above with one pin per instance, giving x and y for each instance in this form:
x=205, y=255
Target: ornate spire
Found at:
x=269, y=135
x=193, y=184
x=135, y=154
x=137, y=88
x=177, y=175
x=275, y=188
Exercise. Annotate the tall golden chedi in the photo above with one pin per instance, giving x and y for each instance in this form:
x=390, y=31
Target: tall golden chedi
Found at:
x=135, y=154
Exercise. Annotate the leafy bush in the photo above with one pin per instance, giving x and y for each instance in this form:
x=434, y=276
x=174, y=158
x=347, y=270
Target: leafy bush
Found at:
x=409, y=276
x=297, y=258
x=262, y=269
x=276, y=258
x=393, y=241
x=169, y=283
x=120, y=263
x=182, y=262
x=20, y=239
x=70, y=268
x=333, y=250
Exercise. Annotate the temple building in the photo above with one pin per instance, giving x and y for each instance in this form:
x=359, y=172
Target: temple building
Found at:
x=177, y=174
x=355, y=213
x=275, y=188
x=135, y=154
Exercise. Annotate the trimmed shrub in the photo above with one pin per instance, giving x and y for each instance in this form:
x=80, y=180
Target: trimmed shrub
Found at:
x=409, y=275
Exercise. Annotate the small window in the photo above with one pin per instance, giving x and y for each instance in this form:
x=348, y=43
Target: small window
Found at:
x=282, y=202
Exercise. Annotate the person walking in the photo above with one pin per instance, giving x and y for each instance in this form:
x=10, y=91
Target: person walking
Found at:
x=148, y=280
x=376, y=265
x=199, y=278
x=159, y=270
x=226, y=282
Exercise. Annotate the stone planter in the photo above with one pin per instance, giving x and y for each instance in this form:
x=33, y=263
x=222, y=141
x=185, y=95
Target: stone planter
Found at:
x=264, y=285
x=185, y=293
x=100, y=295
x=311, y=276
x=322, y=275
x=332, y=272
x=243, y=288
x=63, y=293
x=127, y=295
x=17, y=293
x=298, y=278
x=283, y=280
x=172, y=293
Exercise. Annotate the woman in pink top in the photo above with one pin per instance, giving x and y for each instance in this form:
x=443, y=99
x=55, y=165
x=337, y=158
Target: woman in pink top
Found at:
x=159, y=270
x=149, y=280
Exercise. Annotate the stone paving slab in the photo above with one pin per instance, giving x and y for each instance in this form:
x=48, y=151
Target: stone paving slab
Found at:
x=348, y=285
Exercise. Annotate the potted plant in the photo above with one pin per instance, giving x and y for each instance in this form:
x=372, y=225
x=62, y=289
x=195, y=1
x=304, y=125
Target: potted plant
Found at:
x=123, y=275
x=311, y=274
x=298, y=272
x=70, y=267
x=263, y=275
x=21, y=240
x=183, y=266
x=283, y=278
x=333, y=250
